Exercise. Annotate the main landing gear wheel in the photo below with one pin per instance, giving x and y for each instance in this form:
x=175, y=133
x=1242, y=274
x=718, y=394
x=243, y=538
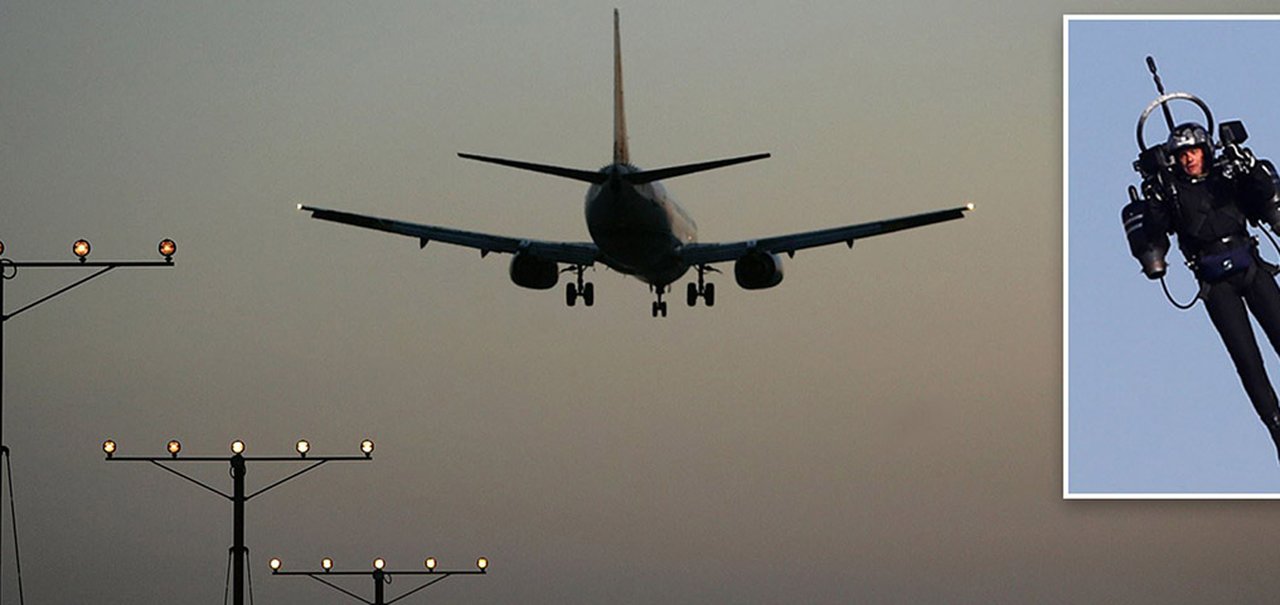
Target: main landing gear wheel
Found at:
x=703, y=290
x=585, y=290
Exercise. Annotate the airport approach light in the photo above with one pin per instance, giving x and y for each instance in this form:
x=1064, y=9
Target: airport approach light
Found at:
x=303, y=447
x=381, y=574
x=366, y=446
x=167, y=247
x=80, y=249
x=239, y=463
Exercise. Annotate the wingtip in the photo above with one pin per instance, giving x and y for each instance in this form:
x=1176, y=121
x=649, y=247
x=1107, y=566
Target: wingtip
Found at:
x=969, y=207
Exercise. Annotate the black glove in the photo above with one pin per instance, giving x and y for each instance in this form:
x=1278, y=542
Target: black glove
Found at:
x=1240, y=161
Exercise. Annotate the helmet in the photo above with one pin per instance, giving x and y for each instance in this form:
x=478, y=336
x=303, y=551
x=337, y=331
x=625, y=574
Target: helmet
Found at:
x=1188, y=134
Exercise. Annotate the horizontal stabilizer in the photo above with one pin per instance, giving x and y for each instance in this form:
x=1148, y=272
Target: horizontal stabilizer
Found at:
x=658, y=174
x=561, y=171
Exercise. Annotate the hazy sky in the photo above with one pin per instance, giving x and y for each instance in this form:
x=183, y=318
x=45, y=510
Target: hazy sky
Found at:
x=885, y=426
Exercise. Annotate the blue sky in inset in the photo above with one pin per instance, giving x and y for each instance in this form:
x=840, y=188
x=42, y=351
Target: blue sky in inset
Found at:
x=1155, y=405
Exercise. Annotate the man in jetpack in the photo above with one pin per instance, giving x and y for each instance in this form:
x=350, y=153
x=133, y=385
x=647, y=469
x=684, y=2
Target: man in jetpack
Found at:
x=1206, y=199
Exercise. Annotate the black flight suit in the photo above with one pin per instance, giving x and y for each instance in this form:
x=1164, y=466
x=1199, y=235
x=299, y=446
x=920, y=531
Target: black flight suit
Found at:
x=1209, y=216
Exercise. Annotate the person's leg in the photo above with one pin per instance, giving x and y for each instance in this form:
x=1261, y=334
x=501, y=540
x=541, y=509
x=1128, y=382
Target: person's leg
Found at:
x=1263, y=297
x=1226, y=310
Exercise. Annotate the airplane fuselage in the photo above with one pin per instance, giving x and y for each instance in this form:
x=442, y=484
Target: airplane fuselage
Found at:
x=639, y=228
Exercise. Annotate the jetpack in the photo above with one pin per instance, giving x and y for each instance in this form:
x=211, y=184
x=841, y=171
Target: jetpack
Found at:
x=1156, y=164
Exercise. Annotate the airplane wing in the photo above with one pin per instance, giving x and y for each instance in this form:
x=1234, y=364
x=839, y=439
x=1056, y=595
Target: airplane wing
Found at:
x=702, y=254
x=577, y=253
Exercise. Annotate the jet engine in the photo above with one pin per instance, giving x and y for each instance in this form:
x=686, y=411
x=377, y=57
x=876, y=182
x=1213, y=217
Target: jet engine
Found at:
x=529, y=271
x=758, y=270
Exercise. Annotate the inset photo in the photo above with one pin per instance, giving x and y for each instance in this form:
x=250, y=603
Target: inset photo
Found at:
x=1171, y=209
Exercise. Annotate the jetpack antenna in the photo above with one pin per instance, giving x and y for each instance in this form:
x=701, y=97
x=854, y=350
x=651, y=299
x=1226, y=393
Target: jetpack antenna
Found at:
x=1164, y=105
x=620, y=153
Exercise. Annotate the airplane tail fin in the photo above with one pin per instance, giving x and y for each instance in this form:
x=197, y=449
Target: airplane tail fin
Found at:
x=620, y=153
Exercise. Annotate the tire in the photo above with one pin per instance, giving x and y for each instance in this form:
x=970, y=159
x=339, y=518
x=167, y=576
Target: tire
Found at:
x=588, y=294
x=692, y=294
x=570, y=295
x=709, y=294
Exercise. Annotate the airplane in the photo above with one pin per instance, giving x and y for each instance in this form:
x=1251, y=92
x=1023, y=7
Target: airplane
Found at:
x=636, y=228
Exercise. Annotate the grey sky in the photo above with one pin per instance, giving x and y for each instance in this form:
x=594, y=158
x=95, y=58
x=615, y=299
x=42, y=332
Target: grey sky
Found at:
x=882, y=427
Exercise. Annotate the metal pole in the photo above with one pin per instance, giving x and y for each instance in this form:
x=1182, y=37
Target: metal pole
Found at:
x=3, y=279
x=378, y=583
x=3, y=318
x=1168, y=117
x=238, y=468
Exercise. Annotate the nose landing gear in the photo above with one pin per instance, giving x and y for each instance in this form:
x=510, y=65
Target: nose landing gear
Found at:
x=701, y=289
x=586, y=291
x=659, y=306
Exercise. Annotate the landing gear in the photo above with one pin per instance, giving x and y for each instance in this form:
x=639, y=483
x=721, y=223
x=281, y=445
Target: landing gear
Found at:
x=659, y=306
x=702, y=289
x=585, y=290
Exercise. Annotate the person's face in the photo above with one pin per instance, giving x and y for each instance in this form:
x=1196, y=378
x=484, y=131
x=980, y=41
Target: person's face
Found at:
x=1192, y=161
